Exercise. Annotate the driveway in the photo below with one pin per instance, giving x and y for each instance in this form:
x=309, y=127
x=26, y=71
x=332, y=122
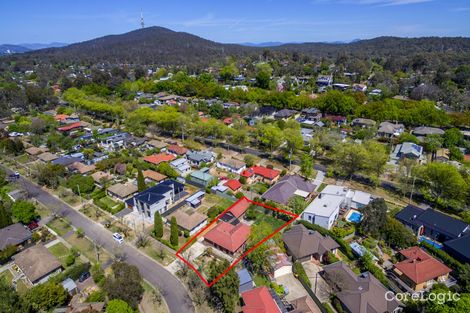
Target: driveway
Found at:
x=174, y=291
x=296, y=290
x=322, y=288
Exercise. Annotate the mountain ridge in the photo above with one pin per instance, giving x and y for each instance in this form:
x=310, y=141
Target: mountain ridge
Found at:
x=162, y=46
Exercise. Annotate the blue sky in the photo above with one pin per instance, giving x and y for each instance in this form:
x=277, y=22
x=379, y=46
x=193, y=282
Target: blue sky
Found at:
x=234, y=21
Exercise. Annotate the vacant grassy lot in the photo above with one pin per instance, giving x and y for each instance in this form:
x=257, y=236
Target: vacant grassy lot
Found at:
x=87, y=248
x=60, y=226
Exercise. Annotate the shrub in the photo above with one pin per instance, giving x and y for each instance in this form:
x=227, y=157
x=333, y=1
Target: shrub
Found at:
x=96, y=296
x=97, y=273
x=7, y=253
x=301, y=274
x=69, y=260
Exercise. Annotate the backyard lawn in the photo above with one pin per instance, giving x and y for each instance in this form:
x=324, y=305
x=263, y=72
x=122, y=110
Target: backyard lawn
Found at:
x=260, y=188
x=60, y=226
x=60, y=251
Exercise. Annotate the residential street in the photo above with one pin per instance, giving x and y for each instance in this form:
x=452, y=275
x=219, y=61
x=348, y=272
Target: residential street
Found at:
x=172, y=289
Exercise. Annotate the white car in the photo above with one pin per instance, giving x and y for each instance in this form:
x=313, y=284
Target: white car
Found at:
x=118, y=237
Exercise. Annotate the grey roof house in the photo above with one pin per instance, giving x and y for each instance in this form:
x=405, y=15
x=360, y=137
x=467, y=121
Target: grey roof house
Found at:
x=287, y=187
x=363, y=122
x=14, y=235
x=196, y=158
x=388, y=129
x=423, y=131
x=432, y=223
x=37, y=264
x=303, y=244
x=361, y=293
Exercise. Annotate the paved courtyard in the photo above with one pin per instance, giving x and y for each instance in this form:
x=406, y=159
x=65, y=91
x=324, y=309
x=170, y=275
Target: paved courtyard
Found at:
x=296, y=290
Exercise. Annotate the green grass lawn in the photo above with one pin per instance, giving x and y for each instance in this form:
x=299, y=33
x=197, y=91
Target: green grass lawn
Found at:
x=60, y=251
x=21, y=287
x=164, y=259
x=43, y=210
x=109, y=202
x=7, y=276
x=87, y=248
x=261, y=280
x=260, y=188
x=60, y=226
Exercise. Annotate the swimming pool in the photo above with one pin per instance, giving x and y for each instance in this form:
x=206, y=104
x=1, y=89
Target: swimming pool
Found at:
x=354, y=216
x=431, y=242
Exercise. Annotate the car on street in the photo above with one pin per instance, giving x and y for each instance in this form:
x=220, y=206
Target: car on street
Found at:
x=118, y=237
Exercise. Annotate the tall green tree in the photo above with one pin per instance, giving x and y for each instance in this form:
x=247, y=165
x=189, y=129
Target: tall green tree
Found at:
x=270, y=136
x=24, y=211
x=443, y=184
x=306, y=165
x=374, y=218
x=5, y=217
x=141, y=186
x=263, y=75
x=350, y=158
x=224, y=293
x=124, y=283
x=174, y=232
x=10, y=301
x=158, y=225
x=44, y=297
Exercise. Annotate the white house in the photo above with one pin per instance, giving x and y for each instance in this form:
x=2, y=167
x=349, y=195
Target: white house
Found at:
x=324, y=209
x=231, y=165
x=181, y=166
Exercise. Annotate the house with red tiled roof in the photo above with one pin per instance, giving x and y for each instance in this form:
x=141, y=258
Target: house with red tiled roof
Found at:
x=70, y=127
x=227, y=237
x=261, y=173
x=61, y=117
x=239, y=208
x=159, y=158
x=260, y=300
x=419, y=270
x=177, y=150
x=233, y=184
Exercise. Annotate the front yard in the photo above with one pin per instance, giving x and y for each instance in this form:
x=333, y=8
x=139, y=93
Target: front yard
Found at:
x=87, y=248
x=60, y=251
x=60, y=226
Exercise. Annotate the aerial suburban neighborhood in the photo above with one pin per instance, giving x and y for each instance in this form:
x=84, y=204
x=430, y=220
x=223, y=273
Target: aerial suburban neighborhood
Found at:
x=156, y=171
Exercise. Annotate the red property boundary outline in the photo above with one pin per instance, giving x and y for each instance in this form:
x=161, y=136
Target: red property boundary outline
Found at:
x=178, y=253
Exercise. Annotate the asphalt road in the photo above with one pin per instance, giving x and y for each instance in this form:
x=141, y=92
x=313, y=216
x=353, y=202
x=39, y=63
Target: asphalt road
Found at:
x=175, y=294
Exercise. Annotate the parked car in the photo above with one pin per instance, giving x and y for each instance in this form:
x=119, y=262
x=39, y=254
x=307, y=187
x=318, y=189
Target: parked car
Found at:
x=118, y=237
x=84, y=277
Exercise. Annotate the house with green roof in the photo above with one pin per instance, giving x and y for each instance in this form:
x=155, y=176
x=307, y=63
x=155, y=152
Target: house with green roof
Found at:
x=201, y=178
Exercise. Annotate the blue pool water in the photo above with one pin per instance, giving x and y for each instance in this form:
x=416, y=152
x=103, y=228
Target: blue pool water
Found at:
x=355, y=217
x=429, y=241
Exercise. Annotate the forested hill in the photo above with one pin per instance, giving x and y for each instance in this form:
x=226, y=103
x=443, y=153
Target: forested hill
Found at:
x=381, y=47
x=152, y=45
x=162, y=46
